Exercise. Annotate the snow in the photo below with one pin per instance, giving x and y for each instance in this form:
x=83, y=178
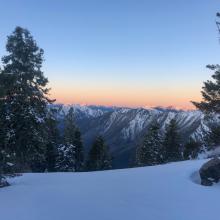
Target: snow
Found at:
x=89, y=111
x=168, y=192
x=209, y=153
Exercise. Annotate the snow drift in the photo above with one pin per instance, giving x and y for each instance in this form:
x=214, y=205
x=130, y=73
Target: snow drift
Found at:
x=168, y=192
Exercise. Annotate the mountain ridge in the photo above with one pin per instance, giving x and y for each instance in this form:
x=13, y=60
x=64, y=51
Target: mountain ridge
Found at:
x=124, y=128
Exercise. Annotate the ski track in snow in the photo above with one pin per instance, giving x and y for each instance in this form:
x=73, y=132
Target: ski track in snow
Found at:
x=168, y=192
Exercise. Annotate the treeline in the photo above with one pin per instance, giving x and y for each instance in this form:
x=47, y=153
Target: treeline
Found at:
x=163, y=147
x=160, y=147
x=30, y=140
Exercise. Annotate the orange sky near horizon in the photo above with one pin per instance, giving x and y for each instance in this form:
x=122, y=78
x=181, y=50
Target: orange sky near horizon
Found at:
x=178, y=97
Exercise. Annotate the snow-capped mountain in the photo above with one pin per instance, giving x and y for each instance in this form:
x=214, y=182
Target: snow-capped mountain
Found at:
x=123, y=128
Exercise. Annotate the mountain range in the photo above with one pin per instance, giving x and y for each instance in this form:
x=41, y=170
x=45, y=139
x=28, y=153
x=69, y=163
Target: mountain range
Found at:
x=124, y=128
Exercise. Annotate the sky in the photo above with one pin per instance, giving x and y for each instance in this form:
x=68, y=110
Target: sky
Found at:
x=132, y=53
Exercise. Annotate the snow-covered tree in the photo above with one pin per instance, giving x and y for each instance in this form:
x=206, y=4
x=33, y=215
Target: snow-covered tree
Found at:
x=66, y=158
x=2, y=139
x=99, y=157
x=150, y=152
x=171, y=142
x=212, y=138
x=53, y=140
x=72, y=136
x=24, y=100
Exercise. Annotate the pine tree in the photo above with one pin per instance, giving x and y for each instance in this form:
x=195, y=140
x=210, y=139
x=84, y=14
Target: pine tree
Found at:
x=191, y=149
x=24, y=101
x=150, y=151
x=2, y=138
x=53, y=140
x=212, y=138
x=72, y=136
x=211, y=90
x=171, y=142
x=211, y=99
x=211, y=93
x=66, y=158
x=79, y=151
x=99, y=157
x=69, y=127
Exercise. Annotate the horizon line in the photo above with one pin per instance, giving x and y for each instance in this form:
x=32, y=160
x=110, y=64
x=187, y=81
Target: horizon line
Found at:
x=171, y=107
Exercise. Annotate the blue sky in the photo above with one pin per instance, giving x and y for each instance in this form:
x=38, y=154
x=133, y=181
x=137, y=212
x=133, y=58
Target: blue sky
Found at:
x=134, y=52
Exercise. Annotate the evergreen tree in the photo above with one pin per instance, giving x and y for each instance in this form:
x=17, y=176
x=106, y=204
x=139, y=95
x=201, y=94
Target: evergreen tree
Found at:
x=53, y=140
x=211, y=90
x=211, y=93
x=2, y=138
x=150, y=151
x=24, y=101
x=66, y=158
x=172, y=142
x=212, y=138
x=99, y=157
x=211, y=99
x=79, y=151
x=72, y=136
x=69, y=127
x=191, y=149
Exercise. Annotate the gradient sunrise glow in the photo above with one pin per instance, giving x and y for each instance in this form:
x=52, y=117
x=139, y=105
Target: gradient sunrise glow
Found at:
x=121, y=95
x=133, y=53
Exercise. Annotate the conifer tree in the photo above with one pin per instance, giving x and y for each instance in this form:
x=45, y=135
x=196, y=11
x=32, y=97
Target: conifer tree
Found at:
x=24, y=101
x=72, y=136
x=191, y=149
x=99, y=157
x=211, y=99
x=150, y=151
x=53, y=140
x=211, y=93
x=212, y=138
x=211, y=90
x=171, y=142
x=2, y=138
x=69, y=127
x=79, y=151
x=66, y=158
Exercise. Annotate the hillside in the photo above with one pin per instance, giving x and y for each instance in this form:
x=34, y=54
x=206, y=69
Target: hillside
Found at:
x=168, y=192
x=123, y=128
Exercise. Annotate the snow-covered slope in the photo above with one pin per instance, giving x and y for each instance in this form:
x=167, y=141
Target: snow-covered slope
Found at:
x=167, y=192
